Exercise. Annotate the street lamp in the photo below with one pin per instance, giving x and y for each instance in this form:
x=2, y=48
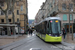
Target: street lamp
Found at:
x=72, y=24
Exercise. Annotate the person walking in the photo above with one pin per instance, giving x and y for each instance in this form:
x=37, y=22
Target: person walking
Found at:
x=30, y=31
x=64, y=33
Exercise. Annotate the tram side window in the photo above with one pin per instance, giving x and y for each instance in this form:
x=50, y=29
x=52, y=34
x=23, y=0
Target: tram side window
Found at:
x=42, y=28
x=45, y=26
x=39, y=28
x=35, y=27
x=48, y=27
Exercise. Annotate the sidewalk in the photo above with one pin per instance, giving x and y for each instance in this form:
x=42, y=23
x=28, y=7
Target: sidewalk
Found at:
x=4, y=41
x=69, y=39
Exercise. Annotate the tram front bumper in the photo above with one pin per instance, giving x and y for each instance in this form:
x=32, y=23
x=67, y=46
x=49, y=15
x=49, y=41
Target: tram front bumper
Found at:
x=53, y=39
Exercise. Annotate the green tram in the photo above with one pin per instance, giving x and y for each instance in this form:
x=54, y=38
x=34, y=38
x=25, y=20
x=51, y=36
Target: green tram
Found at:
x=49, y=29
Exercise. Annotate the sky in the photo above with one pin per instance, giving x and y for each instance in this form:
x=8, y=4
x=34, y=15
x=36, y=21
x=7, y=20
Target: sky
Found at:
x=33, y=7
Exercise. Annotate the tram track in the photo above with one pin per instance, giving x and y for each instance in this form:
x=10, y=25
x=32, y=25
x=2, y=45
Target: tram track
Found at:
x=50, y=45
x=63, y=47
x=22, y=44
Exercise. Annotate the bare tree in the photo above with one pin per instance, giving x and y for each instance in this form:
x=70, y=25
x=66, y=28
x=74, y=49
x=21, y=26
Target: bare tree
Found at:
x=9, y=5
x=13, y=16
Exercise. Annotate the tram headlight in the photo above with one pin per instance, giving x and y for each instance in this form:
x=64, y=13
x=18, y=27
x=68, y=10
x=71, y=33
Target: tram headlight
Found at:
x=49, y=34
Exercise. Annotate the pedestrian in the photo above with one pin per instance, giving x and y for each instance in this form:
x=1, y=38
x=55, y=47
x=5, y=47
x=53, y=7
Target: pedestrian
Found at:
x=30, y=31
x=64, y=33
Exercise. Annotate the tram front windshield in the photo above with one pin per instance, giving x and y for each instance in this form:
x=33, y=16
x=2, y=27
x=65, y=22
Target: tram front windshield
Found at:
x=55, y=26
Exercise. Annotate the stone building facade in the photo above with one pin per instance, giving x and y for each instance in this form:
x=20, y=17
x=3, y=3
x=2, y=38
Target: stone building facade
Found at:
x=20, y=12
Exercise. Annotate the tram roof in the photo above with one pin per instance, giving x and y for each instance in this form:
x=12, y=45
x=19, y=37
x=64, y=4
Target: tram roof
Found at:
x=49, y=18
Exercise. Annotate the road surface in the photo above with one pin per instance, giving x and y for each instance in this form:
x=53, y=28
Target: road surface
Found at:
x=35, y=43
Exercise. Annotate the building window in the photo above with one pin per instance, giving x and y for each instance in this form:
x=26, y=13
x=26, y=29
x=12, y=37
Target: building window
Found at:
x=63, y=6
x=2, y=13
x=9, y=20
x=17, y=19
x=17, y=12
x=21, y=7
x=10, y=12
x=71, y=6
x=71, y=17
x=53, y=1
x=2, y=20
x=17, y=3
x=64, y=17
